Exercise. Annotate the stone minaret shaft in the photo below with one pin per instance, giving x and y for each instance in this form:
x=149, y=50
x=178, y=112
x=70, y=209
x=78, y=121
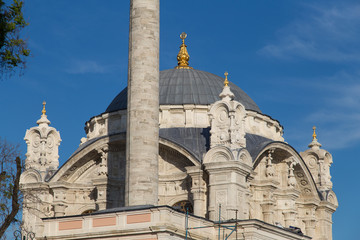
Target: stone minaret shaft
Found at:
x=142, y=140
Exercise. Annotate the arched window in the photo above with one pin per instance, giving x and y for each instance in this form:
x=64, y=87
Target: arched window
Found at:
x=184, y=206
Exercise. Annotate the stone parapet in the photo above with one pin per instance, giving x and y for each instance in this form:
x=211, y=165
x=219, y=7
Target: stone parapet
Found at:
x=152, y=223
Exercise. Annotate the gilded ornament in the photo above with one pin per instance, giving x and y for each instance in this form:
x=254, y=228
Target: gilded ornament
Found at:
x=44, y=110
x=183, y=55
x=314, y=134
x=226, y=82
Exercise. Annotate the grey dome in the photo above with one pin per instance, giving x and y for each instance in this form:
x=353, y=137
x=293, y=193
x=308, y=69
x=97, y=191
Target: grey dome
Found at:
x=188, y=86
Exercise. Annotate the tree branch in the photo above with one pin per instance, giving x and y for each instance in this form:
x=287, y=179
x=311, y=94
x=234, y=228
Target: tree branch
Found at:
x=15, y=206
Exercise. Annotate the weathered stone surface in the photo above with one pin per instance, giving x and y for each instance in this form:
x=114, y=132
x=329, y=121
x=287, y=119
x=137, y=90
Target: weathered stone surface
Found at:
x=143, y=104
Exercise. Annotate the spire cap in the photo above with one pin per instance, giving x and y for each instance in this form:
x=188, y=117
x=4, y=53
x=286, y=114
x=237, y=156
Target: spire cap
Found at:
x=44, y=110
x=43, y=119
x=183, y=55
x=314, y=143
x=226, y=82
x=226, y=93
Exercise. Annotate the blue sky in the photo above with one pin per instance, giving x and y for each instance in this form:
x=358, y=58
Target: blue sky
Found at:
x=298, y=60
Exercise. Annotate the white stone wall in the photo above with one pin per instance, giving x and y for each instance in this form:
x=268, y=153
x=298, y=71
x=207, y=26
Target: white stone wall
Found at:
x=179, y=116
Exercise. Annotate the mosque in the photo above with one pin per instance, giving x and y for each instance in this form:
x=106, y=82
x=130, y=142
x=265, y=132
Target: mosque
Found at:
x=178, y=154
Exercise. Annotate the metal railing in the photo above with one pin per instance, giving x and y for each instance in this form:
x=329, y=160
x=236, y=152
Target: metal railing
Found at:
x=23, y=235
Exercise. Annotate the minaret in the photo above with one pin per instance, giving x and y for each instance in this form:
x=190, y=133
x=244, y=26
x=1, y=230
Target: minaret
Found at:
x=142, y=140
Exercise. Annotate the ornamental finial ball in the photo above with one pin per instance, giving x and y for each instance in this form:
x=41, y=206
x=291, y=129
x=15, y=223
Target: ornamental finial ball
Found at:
x=183, y=36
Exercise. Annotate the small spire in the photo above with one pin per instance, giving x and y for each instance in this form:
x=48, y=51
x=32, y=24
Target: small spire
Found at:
x=183, y=55
x=314, y=134
x=44, y=110
x=43, y=118
x=314, y=143
x=226, y=82
x=226, y=93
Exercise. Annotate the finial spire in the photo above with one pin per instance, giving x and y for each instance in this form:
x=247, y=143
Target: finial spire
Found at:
x=314, y=143
x=183, y=55
x=44, y=110
x=314, y=134
x=226, y=93
x=226, y=82
x=43, y=119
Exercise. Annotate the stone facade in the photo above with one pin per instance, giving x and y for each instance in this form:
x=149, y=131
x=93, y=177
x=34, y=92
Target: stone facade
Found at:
x=172, y=171
x=277, y=185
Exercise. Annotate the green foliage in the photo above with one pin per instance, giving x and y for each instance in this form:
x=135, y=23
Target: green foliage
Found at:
x=13, y=49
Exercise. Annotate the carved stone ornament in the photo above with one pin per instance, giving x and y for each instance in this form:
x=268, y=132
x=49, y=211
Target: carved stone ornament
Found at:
x=291, y=177
x=270, y=171
x=103, y=169
x=227, y=124
x=42, y=146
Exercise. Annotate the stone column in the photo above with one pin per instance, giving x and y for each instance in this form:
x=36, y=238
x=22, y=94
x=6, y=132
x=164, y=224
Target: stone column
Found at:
x=324, y=225
x=268, y=212
x=198, y=190
x=59, y=209
x=289, y=217
x=142, y=138
x=310, y=224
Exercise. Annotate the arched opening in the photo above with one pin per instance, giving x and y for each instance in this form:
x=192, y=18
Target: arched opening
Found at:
x=184, y=206
x=89, y=211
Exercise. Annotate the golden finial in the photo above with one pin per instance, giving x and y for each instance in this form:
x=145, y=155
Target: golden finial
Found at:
x=183, y=36
x=44, y=110
x=226, y=82
x=314, y=134
x=183, y=55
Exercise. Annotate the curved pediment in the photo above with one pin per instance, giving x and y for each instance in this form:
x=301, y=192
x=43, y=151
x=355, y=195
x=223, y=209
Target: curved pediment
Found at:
x=84, y=157
x=279, y=157
x=219, y=154
x=30, y=176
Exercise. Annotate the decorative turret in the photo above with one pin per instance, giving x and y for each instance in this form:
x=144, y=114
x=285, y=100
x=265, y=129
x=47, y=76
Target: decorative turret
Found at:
x=227, y=120
x=228, y=158
x=42, y=147
x=319, y=162
x=183, y=55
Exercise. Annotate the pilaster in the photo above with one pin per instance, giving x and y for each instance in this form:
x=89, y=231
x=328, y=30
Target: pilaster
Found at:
x=228, y=187
x=101, y=185
x=324, y=227
x=59, y=209
x=60, y=203
x=198, y=190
